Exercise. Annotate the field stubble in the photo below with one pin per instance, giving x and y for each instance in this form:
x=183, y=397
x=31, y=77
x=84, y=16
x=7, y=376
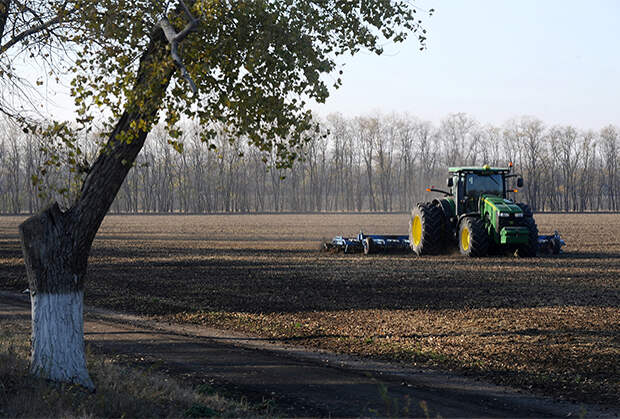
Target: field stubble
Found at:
x=548, y=324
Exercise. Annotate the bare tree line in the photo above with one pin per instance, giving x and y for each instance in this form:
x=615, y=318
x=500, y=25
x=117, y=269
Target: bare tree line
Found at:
x=370, y=163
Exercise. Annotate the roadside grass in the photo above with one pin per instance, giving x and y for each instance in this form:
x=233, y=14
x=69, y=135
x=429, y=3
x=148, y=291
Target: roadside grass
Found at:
x=122, y=391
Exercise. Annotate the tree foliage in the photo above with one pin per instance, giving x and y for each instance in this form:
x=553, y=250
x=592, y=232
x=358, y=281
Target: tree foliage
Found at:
x=256, y=64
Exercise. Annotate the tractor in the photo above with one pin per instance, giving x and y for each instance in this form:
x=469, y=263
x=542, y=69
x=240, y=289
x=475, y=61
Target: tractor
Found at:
x=476, y=214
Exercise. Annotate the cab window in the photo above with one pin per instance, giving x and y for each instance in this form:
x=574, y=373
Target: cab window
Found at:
x=476, y=184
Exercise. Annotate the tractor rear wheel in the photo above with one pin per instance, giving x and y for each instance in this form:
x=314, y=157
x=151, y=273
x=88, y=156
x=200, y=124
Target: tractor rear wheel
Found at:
x=527, y=211
x=425, y=229
x=473, y=238
x=529, y=250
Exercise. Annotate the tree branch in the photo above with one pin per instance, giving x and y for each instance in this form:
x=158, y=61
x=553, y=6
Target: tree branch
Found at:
x=175, y=38
x=4, y=14
x=192, y=23
x=28, y=32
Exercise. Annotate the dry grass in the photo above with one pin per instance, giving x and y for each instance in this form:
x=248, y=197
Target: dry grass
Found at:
x=550, y=324
x=121, y=391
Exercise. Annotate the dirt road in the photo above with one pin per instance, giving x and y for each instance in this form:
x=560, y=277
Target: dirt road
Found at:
x=298, y=381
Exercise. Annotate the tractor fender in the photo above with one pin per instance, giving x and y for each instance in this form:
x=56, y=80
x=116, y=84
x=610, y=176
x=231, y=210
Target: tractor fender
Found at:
x=448, y=218
x=463, y=216
x=445, y=207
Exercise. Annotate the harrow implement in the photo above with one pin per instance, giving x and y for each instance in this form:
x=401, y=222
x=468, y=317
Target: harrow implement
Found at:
x=379, y=243
x=551, y=244
x=369, y=243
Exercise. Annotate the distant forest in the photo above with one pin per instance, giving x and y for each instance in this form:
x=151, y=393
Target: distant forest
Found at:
x=370, y=163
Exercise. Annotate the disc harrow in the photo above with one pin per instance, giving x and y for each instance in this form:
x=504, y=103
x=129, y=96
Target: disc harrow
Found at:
x=380, y=243
x=369, y=243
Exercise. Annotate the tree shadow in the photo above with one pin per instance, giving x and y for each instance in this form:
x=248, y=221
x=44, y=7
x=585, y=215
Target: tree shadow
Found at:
x=252, y=281
x=171, y=280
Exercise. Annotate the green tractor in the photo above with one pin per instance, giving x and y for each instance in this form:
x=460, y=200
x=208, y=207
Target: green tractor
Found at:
x=476, y=214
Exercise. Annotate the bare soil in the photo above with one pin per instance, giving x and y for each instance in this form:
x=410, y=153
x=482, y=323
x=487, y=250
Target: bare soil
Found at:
x=547, y=324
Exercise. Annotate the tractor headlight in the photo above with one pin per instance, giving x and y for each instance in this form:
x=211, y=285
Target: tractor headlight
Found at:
x=519, y=215
x=504, y=214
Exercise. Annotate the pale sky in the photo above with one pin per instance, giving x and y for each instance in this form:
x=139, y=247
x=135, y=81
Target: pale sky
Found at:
x=556, y=60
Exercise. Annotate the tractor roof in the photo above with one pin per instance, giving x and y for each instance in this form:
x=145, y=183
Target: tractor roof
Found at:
x=479, y=169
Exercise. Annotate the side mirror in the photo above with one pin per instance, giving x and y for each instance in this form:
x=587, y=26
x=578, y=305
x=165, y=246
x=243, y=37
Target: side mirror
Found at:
x=449, y=182
x=519, y=182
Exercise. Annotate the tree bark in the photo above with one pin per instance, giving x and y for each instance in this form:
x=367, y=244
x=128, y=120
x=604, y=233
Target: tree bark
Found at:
x=4, y=14
x=56, y=271
x=56, y=244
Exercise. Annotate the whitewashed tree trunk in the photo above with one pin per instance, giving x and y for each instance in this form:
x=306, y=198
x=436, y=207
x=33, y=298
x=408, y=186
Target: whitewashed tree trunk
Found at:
x=58, y=338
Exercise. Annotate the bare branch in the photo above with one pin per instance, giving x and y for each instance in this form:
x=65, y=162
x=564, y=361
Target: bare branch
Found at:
x=4, y=14
x=22, y=6
x=175, y=38
x=35, y=29
x=192, y=23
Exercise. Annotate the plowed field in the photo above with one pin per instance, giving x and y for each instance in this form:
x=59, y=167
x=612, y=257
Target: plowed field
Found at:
x=548, y=324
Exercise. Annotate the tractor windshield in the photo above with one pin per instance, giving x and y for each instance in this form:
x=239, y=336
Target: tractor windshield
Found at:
x=478, y=184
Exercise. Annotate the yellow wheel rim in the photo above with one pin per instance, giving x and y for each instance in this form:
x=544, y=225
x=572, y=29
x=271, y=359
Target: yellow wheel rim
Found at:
x=416, y=230
x=465, y=237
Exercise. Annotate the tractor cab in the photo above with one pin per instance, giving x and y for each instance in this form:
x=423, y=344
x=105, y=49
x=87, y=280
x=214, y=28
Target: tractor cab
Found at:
x=468, y=184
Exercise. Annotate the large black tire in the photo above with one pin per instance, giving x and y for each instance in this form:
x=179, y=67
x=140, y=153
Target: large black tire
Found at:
x=557, y=247
x=473, y=238
x=529, y=250
x=447, y=230
x=425, y=229
x=527, y=211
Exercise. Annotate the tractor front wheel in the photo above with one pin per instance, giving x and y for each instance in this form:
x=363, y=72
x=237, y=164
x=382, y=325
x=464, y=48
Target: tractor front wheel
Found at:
x=425, y=229
x=473, y=239
x=527, y=211
x=529, y=250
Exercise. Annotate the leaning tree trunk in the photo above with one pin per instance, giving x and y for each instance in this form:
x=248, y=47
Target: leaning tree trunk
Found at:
x=56, y=244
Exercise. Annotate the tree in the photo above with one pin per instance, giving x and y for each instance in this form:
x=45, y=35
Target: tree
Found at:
x=569, y=160
x=332, y=176
x=248, y=65
x=455, y=130
x=609, y=147
x=587, y=154
x=529, y=134
x=368, y=132
x=340, y=134
x=385, y=141
x=406, y=162
x=428, y=154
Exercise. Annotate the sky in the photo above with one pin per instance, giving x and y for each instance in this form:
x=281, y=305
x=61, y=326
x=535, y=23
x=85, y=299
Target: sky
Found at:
x=557, y=60
x=495, y=60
